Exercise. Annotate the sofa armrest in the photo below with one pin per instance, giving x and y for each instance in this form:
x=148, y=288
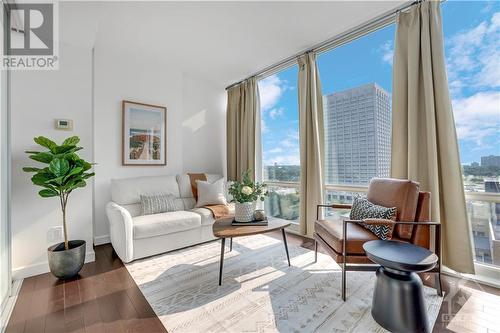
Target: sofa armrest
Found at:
x=121, y=231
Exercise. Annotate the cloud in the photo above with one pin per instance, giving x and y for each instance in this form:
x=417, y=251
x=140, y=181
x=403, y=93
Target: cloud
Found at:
x=276, y=112
x=473, y=57
x=477, y=116
x=387, y=51
x=289, y=159
x=271, y=89
x=275, y=150
x=282, y=155
x=263, y=126
x=291, y=140
x=488, y=7
x=286, y=152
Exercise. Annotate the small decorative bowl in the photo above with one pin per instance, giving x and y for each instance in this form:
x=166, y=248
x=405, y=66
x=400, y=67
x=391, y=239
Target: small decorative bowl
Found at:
x=259, y=215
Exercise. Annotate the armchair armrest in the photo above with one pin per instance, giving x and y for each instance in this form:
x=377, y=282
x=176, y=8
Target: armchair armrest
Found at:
x=334, y=206
x=378, y=222
x=369, y=221
x=121, y=230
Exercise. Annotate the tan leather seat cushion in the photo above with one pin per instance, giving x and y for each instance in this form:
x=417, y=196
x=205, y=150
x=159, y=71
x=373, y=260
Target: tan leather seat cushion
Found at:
x=331, y=232
x=399, y=193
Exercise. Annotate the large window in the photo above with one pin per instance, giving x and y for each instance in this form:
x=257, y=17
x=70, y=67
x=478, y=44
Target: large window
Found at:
x=280, y=143
x=356, y=80
x=472, y=47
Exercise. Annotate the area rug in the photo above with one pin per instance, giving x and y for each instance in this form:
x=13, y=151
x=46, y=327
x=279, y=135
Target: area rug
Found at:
x=259, y=292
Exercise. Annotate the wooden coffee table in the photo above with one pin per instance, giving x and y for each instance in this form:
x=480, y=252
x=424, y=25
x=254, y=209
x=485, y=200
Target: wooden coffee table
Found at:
x=223, y=229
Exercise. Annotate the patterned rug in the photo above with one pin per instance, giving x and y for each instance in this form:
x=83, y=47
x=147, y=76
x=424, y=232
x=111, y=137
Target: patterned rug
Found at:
x=259, y=292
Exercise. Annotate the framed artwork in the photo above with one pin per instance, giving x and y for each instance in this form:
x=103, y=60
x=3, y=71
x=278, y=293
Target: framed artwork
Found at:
x=144, y=134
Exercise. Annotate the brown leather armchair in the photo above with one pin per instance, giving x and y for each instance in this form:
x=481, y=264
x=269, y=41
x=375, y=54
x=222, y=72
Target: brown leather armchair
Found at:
x=412, y=225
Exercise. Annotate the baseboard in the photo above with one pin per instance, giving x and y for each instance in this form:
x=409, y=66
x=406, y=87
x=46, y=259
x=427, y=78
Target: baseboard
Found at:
x=41, y=268
x=9, y=305
x=100, y=240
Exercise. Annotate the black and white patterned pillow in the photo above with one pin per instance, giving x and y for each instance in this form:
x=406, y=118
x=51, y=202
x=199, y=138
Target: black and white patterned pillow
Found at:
x=157, y=203
x=364, y=209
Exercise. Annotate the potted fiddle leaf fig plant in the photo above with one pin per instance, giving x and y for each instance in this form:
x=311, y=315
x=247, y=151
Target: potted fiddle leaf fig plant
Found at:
x=63, y=172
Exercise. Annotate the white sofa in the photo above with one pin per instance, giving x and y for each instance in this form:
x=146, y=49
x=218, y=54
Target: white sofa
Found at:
x=134, y=236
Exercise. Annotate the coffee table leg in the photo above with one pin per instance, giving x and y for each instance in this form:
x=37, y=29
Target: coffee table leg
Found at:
x=222, y=248
x=231, y=244
x=286, y=246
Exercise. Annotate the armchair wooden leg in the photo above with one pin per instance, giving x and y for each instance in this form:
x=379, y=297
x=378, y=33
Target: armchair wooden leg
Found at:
x=315, y=251
x=439, y=286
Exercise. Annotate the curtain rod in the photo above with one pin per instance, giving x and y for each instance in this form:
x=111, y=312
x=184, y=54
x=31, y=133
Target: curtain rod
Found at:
x=342, y=38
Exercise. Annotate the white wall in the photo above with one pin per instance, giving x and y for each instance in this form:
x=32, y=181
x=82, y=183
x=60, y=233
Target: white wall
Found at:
x=37, y=98
x=120, y=76
x=204, y=126
x=195, y=137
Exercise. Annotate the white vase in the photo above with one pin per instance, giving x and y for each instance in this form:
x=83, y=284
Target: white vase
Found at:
x=243, y=212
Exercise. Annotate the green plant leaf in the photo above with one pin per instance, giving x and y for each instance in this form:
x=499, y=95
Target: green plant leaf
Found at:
x=64, y=149
x=72, y=157
x=71, y=141
x=42, y=157
x=59, y=167
x=47, y=193
x=45, y=142
x=74, y=171
x=31, y=169
x=41, y=179
x=32, y=152
x=57, y=182
x=85, y=165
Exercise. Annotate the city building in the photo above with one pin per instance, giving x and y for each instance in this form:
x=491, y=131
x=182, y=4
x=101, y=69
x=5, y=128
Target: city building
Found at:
x=357, y=135
x=491, y=160
x=485, y=222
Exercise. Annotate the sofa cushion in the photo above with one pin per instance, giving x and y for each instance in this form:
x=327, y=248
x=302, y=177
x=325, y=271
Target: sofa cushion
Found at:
x=363, y=209
x=331, y=232
x=207, y=218
x=128, y=190
x=146, y=226
x=157, y=203
x=210, y=193
x=185, y=184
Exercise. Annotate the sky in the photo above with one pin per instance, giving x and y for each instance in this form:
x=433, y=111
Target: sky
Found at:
x=472, y=48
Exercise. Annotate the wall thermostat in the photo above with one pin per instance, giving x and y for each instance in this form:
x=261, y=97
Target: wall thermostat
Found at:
x=64, y=124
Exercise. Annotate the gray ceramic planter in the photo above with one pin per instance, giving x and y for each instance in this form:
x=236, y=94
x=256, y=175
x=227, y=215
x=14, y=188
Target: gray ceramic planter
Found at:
x=65, y=264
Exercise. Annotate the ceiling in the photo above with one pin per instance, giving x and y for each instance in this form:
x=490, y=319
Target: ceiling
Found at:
x=222, y=42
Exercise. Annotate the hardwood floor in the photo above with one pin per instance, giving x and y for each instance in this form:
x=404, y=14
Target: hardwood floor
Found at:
x=104, y=298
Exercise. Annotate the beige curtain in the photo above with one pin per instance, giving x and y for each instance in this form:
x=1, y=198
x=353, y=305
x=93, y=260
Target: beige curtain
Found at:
x=424, y=141
x=311, y=141
x=242, y=106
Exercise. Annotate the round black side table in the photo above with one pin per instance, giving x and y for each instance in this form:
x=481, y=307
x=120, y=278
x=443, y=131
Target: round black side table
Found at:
x=398, y=302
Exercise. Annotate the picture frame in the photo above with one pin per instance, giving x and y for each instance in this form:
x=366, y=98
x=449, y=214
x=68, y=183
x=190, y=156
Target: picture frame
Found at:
x=144, y=134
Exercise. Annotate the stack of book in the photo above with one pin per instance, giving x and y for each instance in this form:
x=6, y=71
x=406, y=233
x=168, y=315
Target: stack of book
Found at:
x=253, y=223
